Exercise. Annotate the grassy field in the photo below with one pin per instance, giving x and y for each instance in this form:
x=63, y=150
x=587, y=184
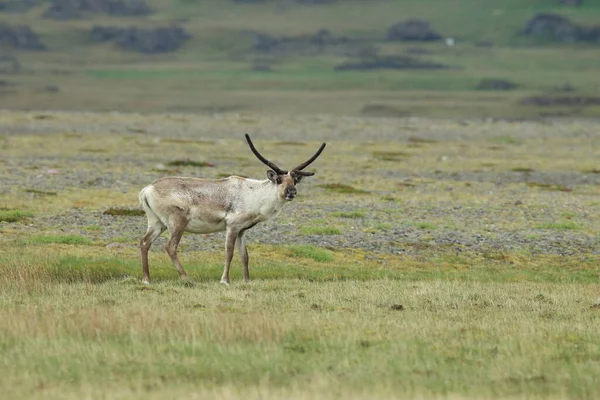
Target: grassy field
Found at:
x=66, y=335
x=213, y=71
x=455, y=258
x=425, y=259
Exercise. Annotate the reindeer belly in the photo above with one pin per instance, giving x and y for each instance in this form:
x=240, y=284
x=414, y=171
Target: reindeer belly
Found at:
x=203, y=227
x=206, y=222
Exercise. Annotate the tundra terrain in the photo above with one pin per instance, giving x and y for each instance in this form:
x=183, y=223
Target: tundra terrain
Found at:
x=436, y=258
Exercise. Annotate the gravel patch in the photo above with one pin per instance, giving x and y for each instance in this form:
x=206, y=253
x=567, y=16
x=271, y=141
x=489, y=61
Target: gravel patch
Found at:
x=447, y=197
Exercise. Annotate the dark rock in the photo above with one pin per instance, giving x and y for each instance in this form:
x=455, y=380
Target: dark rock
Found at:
x=323, y=37
x=126, y=8
x=72, y=9
x=50, y=89
x=412, y=30
x=554, y=27
x=105, y=33
x=319, y=42
x=564, y=88
x=17, y=6
x=315, y=2
x=143, y=40
x=389, y=62
x=158, y=40
x=62, y=10
x=20, y=37
x=591, y=34
x=265, y=42
x=496, y=84
x=558, y=28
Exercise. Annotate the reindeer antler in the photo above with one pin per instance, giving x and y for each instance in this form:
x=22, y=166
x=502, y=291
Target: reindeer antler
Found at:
x=264, y=160
x=299, y=168
x=279, y=171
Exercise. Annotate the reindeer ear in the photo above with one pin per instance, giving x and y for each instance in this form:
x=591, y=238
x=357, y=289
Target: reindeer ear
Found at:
x=273, y=177
x=297, y=178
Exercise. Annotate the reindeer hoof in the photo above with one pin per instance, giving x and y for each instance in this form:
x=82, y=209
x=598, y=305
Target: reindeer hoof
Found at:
x=224, y=282
x=146, y=282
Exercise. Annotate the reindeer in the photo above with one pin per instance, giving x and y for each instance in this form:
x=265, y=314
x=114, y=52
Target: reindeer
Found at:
x=233, y=204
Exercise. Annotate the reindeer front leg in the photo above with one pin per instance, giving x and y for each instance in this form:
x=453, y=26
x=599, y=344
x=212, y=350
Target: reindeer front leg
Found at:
x=230, y=237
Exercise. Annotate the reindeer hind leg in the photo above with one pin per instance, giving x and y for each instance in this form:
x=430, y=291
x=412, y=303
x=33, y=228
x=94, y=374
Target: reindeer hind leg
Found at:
x=176, y=229
x=155, y=229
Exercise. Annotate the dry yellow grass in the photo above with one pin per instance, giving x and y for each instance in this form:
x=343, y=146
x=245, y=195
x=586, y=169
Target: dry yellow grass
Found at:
x=295, y=337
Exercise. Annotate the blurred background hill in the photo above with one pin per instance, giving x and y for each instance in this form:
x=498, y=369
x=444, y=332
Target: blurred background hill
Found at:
x=457, y=58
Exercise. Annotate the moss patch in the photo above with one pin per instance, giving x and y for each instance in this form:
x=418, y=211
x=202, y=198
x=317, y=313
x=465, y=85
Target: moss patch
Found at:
x=390, y=155
x=320, y=230
x=128, y=212
x=312, y=252
x=40, y=192
x=60, y=239
x=14, y=215
x=190, y=163
x=341, y=188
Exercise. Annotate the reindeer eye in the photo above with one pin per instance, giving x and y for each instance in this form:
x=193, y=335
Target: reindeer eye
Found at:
x=278, y=180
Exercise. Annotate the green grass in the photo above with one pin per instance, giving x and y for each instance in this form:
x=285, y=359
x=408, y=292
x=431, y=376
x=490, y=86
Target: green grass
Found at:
x=560, y=226
x=312, y=252
x=60, y=239
x=77, y=322
x=505, y=140
x=382, y=226
x=135, y=74
x=124, y=239
x=14, y=215
x=522, y=169
x=569, y=214
x=428, y=226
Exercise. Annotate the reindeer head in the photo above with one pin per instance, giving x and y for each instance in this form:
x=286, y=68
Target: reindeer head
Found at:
x=285, y=180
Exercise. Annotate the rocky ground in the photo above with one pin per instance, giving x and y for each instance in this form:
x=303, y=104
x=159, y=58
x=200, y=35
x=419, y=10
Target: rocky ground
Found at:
x=413, y=186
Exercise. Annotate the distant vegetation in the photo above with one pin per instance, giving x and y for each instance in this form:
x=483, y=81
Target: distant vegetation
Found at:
x=159, y=55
